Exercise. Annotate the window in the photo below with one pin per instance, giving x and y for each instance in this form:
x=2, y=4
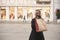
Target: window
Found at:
x=11, y=15
x=3, y=14
x=20, y=13
x=29, y=12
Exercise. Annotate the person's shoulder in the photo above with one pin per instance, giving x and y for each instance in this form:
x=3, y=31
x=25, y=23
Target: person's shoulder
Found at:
x=33, y=19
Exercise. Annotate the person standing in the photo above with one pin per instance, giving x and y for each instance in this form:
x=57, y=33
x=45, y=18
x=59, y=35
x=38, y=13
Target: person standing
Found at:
x=34, y=34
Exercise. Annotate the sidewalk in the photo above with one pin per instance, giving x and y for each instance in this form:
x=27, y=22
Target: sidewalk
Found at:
x=16, y=31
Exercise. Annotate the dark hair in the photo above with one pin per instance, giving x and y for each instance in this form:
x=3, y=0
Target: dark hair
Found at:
x=38, y=10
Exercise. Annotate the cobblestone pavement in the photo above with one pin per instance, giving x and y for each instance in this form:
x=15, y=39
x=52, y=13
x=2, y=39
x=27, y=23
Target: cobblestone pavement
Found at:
x=16, y=31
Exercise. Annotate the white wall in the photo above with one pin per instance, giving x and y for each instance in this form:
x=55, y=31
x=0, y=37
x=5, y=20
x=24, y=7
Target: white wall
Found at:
x=56, y=6
x=17, y=2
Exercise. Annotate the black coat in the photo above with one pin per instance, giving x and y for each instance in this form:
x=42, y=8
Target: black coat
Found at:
x=35, y=35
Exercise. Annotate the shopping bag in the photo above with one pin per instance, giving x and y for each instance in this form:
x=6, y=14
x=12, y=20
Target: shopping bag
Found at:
x=40, y=25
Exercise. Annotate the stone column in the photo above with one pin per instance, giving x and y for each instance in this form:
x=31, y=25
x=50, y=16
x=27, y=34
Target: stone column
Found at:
x=25, y=13
x=51, y=11
x=0, y=13
x=15, y=13
x=7, y=13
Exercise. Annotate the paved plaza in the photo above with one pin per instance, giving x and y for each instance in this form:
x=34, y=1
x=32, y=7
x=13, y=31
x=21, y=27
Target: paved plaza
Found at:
x=21, y=31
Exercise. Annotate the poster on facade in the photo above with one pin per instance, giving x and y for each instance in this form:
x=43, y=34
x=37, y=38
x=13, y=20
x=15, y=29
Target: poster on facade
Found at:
x=47, y=11
x=29, y=12
x=20, y=13
x=11, y=14
x=3, y=14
